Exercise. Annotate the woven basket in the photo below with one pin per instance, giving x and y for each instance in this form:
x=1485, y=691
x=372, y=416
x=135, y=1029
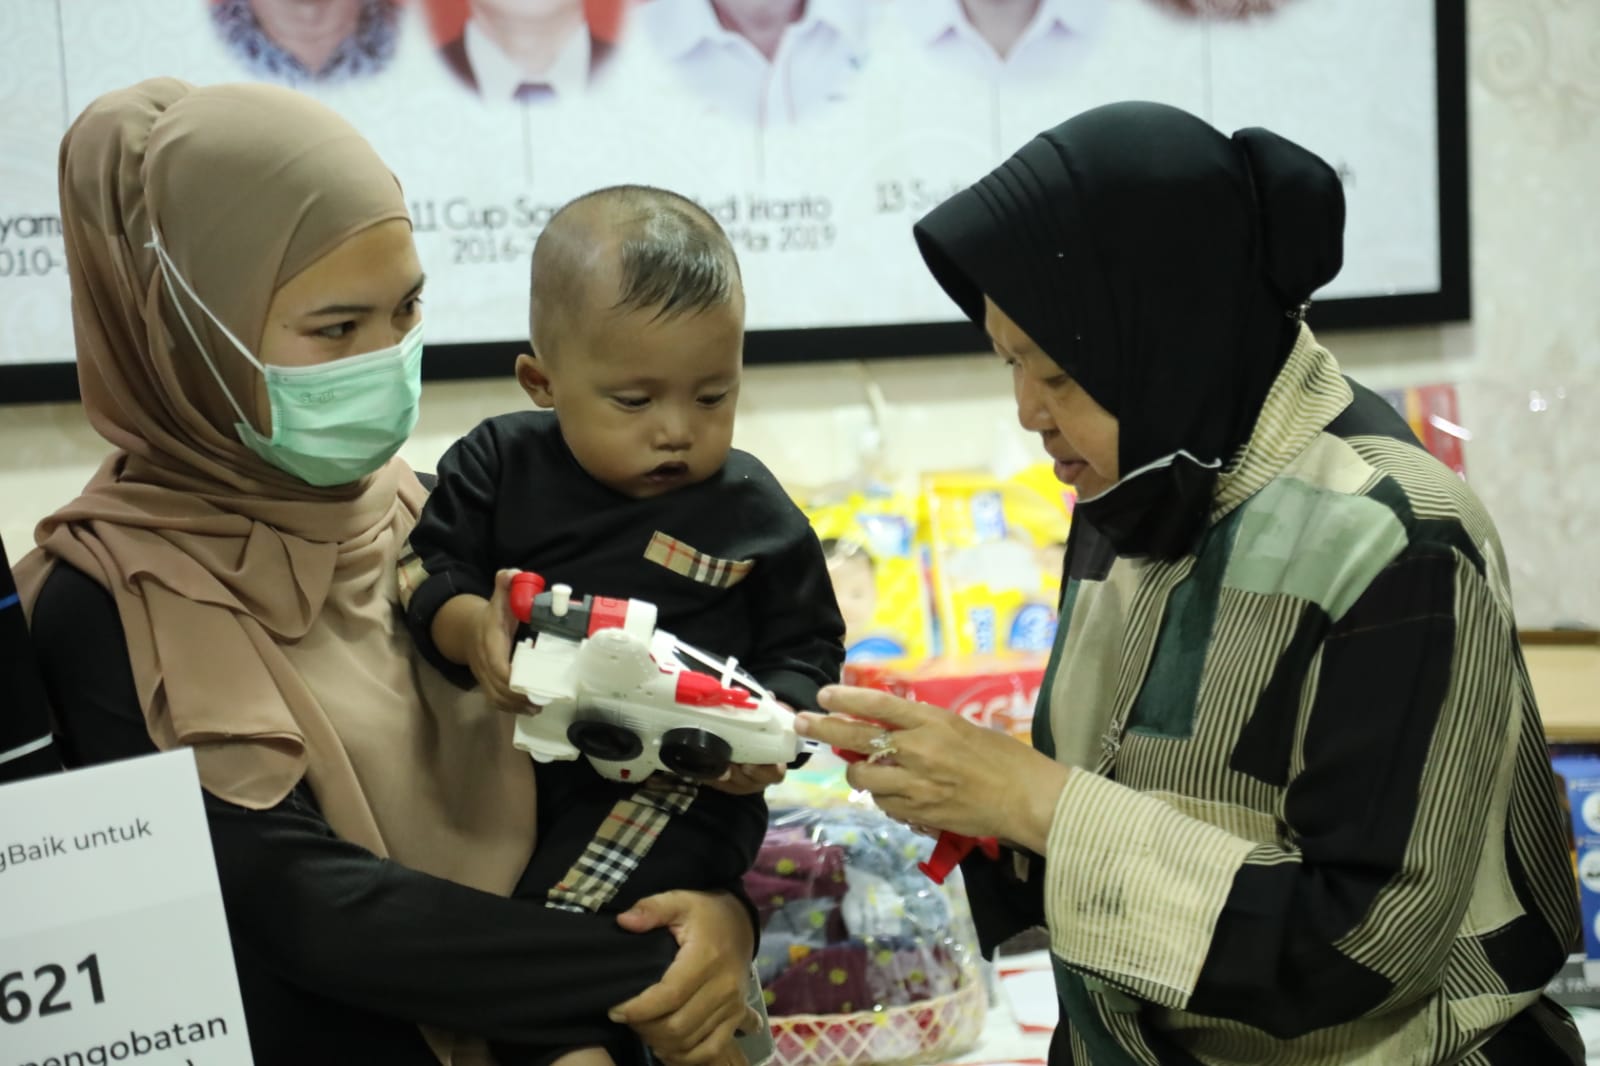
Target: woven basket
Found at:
x=926, y=1032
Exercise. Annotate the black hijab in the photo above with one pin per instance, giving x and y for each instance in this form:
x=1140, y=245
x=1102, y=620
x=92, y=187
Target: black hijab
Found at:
x=1165, y=267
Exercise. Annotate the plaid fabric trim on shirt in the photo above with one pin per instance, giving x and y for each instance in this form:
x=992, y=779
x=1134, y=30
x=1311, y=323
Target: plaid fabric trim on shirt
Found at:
x=696, y=565
x=622, y=842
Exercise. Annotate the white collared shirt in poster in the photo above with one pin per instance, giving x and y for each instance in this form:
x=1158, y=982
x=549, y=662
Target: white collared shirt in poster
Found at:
x=499, y=76
x=947, y=106
x=817, y=60
x=1072, y=55
x=1056, y=38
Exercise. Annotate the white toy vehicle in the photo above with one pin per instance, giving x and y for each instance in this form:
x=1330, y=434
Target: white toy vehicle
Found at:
x=612, y=687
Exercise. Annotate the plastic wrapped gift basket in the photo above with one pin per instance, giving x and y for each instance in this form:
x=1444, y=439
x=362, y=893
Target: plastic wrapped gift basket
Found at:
x=863, y=959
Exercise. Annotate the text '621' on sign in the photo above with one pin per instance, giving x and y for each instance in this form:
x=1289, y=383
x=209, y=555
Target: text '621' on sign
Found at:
x=113, y=943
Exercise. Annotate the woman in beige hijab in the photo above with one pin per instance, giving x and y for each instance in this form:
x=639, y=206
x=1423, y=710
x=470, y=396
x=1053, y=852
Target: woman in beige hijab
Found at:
x=245, y=297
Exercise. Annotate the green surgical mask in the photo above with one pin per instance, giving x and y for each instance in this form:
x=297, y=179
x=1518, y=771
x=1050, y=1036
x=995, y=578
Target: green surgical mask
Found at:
x=333, y=423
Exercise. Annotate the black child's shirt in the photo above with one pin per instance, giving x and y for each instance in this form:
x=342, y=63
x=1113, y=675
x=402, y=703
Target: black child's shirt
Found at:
x=731, y=564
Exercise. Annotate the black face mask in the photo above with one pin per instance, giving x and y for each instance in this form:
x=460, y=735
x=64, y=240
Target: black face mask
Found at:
x=1158, y=512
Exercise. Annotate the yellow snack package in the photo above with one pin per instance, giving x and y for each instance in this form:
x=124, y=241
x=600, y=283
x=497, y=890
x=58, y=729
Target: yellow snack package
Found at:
x=877, y=571
x=996, y=548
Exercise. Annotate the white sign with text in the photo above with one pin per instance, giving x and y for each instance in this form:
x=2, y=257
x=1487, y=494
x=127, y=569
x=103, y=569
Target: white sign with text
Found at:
x=113, y=943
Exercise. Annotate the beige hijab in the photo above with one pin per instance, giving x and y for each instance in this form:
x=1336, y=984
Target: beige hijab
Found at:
x=259, y=611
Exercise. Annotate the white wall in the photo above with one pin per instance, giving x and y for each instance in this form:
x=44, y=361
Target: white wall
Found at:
x=1528, y=365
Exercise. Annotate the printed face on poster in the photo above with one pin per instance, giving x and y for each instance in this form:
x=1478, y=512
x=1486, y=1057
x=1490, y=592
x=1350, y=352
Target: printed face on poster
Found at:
x=815, y=131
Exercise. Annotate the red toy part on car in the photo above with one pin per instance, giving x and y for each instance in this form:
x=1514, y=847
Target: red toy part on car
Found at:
x=606, y=613
x=951, y=849
x=525, y=585
x=702, y=690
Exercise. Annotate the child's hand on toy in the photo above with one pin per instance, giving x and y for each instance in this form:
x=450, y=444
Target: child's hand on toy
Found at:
x=489, y=653
x=745, y=779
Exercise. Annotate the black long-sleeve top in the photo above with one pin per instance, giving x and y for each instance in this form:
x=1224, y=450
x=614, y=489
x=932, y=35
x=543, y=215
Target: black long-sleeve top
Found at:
x=731, y=564
x=25, y=745
x=341, y=953
x=511, y=495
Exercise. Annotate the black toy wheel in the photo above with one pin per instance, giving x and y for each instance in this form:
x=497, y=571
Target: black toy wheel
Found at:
x=694, y=753
x=605, y=741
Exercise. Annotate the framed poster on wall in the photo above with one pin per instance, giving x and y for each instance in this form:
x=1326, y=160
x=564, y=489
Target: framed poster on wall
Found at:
x=816, y=131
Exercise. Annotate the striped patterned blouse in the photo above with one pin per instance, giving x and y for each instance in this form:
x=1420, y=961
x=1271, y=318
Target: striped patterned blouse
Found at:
x=1321, y=825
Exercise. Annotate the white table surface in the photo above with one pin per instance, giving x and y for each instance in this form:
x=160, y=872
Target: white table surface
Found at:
x=1004, y=1041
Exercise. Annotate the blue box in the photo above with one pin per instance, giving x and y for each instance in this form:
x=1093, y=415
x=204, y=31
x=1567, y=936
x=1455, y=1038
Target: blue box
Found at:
x=1579, y=772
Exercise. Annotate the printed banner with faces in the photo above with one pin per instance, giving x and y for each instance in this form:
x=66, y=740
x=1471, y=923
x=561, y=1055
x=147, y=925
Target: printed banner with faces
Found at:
x=816, y=131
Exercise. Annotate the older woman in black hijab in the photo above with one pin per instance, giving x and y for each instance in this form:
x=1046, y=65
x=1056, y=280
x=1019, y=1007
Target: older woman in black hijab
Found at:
x=1290, y=801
